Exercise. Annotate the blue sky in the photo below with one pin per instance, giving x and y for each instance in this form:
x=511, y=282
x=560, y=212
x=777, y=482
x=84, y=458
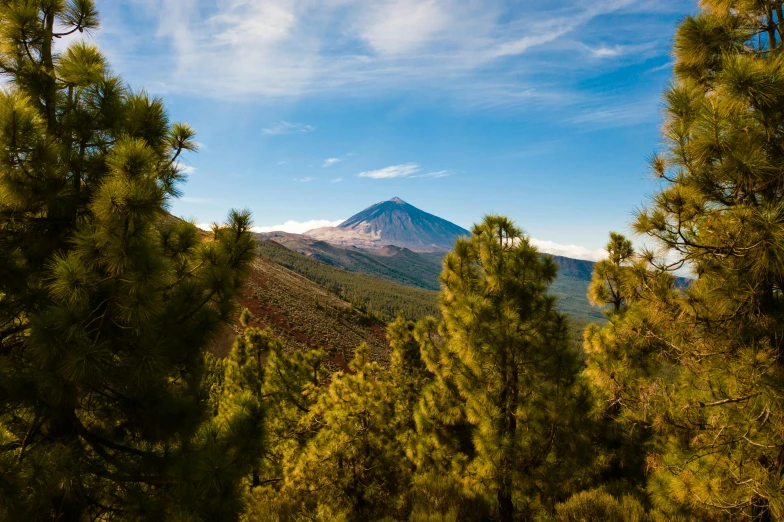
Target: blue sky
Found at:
x=311, y=110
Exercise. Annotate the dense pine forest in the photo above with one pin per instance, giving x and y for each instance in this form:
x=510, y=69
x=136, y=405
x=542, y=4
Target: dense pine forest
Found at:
x=113, y=408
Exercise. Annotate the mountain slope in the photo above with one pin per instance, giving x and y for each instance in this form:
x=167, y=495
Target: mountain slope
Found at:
x=422, y=269
x=382, y=297
x=396, y=264
x=304, y=315
x=393, y=222
x=387, y=299
x=310, y=303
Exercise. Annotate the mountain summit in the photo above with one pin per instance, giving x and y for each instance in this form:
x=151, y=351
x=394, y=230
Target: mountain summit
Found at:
x=393, y=222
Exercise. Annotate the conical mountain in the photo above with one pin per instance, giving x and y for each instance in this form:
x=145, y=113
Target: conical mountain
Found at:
x=393, y=222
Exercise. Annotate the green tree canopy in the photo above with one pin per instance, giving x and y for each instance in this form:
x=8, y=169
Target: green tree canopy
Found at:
x=106, y=303
x=700, y=368
x=610, y=282
x=506, y=401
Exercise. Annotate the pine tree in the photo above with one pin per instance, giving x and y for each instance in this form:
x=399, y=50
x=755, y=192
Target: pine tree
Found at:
x=354, y=463
x=244, y=366
x=292, y=385
x=338, y=456
x=609, y=282
x=620, y=364
x=712, y=391
x=621, y=280
x=506, y=400
x=408, y=373
x=243, y=383
x=600, y=506
x=107, y=303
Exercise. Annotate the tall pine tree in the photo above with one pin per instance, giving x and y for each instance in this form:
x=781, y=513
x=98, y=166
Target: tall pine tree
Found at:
x=107, y=304
x=620, y=365
x=708, y=359
x=505, y=376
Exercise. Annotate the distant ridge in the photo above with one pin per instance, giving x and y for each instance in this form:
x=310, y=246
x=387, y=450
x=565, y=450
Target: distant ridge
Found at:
x=393, y=222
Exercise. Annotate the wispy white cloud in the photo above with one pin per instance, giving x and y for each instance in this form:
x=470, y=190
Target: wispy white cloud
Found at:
x=492, y=49
x=298, y=227
x=663, y=67
x=403, y=26
x=285, y=127
x=336, y=180
x=521, y=45
x=306, y=179
x=601, y=113
x=606, y=52
x=436, y=174
x=281, y=162
x=573, y=251
x=393, y=171
x=405, y=170
x=330, y=161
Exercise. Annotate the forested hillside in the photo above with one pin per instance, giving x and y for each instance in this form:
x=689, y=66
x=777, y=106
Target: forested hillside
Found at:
x=331, y=309
x=399, y=265
x=304, y=316
x=373, y=293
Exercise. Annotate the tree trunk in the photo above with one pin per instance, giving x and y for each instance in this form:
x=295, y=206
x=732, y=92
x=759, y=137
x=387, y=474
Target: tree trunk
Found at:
x=506, y=509
x=771, y=30
x=47, y=61
x=505, y=505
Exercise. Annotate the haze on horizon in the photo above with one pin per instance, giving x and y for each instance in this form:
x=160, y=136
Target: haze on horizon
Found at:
x=309, y=112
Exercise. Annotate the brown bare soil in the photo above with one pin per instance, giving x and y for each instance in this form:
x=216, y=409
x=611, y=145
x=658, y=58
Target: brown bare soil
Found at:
x=304, y=316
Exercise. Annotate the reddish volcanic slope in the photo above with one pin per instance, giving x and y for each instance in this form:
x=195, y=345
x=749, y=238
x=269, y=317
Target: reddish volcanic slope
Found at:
x=304, y=316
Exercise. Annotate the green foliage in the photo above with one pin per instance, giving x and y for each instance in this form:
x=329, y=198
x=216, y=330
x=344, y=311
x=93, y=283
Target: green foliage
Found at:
x=407, y=369
x=699, y=369
x=245, y=317
x=213, y=381
x=353, y=459
x=600, y=506
x=292, y=385
x=110, y=407
x=244, y=367
x=611, y=283
x=618, y=362
x=105, y=308
x=504, y=410
x=333, y=450
x=242, y=383
x=440, y=497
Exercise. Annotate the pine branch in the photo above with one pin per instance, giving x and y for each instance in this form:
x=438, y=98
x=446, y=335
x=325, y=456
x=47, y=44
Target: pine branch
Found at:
x=728, y=401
